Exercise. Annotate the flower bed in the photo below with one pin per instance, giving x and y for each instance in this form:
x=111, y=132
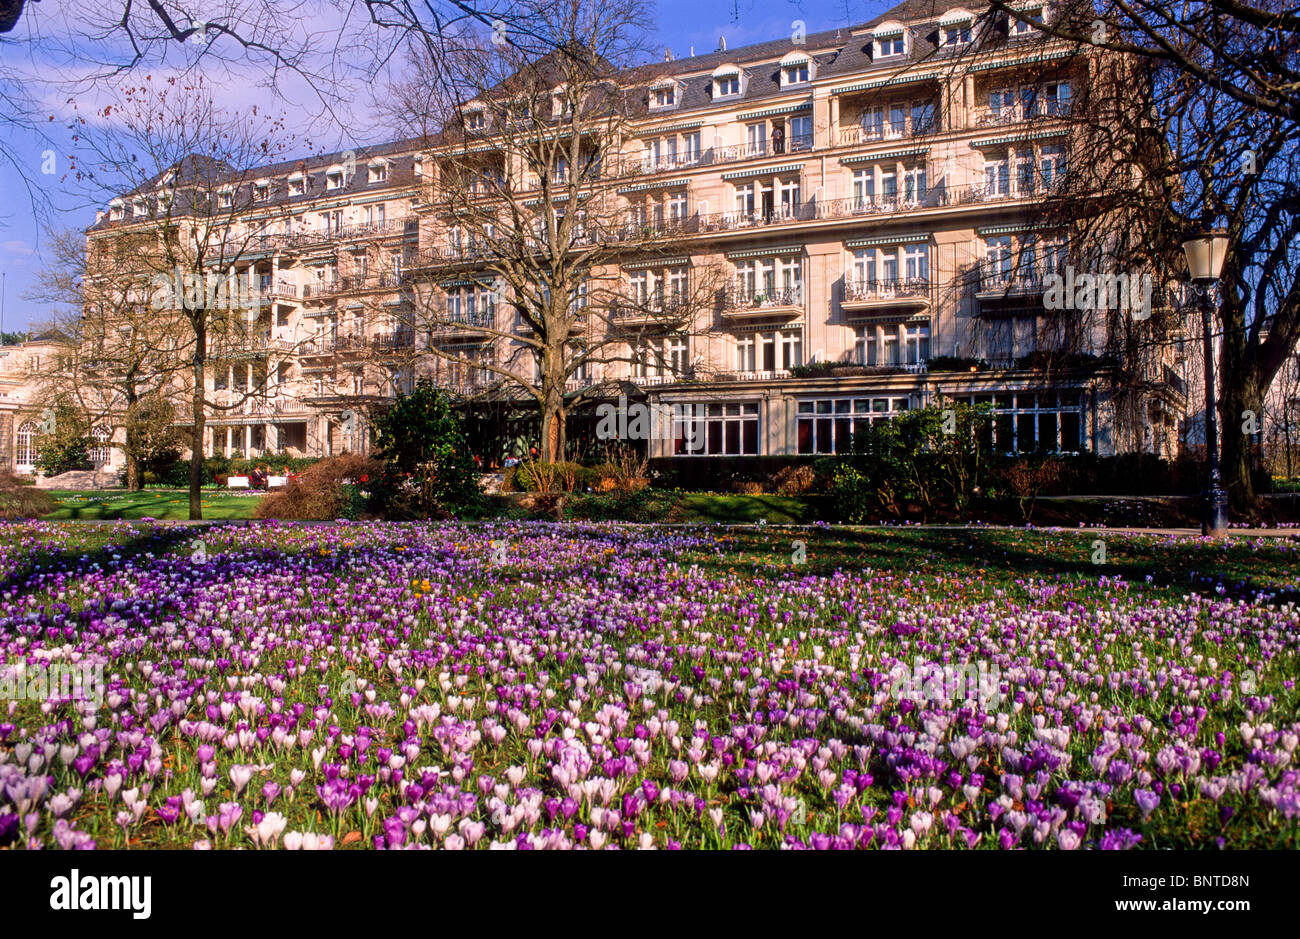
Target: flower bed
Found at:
x=531, y=685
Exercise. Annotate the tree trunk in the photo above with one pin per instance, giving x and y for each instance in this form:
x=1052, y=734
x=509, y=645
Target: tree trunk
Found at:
x=196, y=441
x=134, y=478
x=1239, y=397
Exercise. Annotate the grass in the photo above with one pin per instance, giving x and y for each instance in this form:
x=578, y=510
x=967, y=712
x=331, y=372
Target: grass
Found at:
x=161, y=504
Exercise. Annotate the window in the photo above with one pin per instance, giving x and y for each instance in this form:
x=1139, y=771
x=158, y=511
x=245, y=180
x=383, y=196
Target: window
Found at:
x=334, y=179
x=756, y=137
x=297, y=186
x=775, y=281
x=1043, y=421
x=675, y=202
x=897, y=120
x=27, y=454
x=1002, y=104
x=916, y=264
x=378, y=172
x=1024, y=171
x=801, y=132
x=1052, y=164
x=997, y=175
x=663, y=96
x=923, y=117
x=691, y=147
x=376, y=214
x=914, y=188
x=1028, y=102
x=225, y=199
x=864, y=189
x=716, y=429
x=117, y=212
x=1033, y=19
x=726, y=85
x=475, y=120
x=887, y=46
x=660, y=356
x=997, y=260
x=795, y=74
x=471, y=304
x=873, y=123
x=827, y=425
x=1056, y=99
x=769, y=351
x=957, y=34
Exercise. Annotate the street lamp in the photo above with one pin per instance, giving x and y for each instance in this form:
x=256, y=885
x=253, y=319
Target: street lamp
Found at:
x=1205, y=254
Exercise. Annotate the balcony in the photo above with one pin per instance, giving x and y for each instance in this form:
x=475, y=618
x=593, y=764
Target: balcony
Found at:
x=1020, y=113
x=735, y=153
x=881, y=133
x=1004, y=289
x=463, y=324
x=660, y=311
x=745, y=305
x=876, y=299
x=756, y=375
x=280, y=290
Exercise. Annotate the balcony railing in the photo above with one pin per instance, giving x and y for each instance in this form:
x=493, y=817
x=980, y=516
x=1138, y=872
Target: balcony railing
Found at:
x=709, y=156
x=464, y=321
x=744, y=299
x=901, y=288
x=876, y=133
x=999, y=278
x=1019, y=113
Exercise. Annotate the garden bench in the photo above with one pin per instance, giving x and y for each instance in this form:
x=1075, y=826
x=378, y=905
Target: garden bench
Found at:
x=237, y=482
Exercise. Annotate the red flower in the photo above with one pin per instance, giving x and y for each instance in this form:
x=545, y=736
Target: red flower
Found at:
x=365, y=479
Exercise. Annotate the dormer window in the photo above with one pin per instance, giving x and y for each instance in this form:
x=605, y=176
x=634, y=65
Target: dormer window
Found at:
x=888, y=40
x=225, y=198
x=378, y=172
x=726, y=81
x=663, y=95
x=297, y=185
x=261, y=192
x=796, y=69
x=1032, y=22
x=956, y=35
x=117, y=212
x=955, y=27
x=475, y=120
x=334, y=179
x=139, y=210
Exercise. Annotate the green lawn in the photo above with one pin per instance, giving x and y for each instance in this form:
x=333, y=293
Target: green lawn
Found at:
x=162, y=504
x=776, y=510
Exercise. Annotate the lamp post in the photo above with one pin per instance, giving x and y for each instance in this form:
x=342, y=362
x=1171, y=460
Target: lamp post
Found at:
x=1205, y=254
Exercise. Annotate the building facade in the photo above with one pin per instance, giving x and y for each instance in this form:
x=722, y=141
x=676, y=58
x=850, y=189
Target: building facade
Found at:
x=873, y=196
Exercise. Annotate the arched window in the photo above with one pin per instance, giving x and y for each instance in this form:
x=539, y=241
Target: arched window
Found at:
x=99, y=452
x=26, y=453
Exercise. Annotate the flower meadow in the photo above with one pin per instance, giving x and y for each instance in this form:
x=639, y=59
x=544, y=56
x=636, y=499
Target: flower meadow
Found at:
x=532, y=685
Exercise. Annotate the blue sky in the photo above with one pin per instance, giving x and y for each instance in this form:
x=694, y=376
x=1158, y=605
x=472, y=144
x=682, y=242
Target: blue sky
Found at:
x=681, y=25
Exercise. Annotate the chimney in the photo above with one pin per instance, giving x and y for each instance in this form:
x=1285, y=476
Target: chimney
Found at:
x=99, y=217
x=668, y=55
x=722, y=43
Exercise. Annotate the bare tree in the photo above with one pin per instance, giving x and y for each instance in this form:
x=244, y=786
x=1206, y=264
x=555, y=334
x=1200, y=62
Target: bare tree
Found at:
x=192, y=178
x=1198, y=127
x=524, y=205
x=121, y=369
